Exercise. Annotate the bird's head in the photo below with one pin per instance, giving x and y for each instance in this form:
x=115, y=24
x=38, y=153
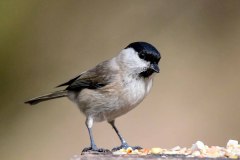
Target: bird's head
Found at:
x=140, y=58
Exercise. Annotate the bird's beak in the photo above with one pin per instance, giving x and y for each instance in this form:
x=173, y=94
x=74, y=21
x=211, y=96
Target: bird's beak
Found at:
x=155, y=67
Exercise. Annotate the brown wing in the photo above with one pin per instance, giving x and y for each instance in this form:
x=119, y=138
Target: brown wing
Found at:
x=93, y=79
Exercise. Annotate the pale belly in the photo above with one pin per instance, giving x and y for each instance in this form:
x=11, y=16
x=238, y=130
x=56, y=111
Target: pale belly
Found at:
x=108, y=107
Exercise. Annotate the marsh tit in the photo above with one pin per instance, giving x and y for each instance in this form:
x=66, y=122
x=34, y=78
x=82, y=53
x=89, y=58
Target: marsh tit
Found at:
x=112, y=88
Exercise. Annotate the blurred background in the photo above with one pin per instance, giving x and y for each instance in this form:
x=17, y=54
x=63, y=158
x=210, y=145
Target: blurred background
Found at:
x=46, y=42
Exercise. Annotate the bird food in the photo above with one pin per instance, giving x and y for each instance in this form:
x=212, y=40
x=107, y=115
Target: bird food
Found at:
x=198, y=149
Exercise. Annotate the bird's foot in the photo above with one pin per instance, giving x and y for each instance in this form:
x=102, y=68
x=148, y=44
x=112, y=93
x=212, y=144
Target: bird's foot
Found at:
x=95, y=150
x=125, y=146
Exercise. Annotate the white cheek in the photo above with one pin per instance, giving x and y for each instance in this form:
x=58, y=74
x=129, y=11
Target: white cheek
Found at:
x=131, y=60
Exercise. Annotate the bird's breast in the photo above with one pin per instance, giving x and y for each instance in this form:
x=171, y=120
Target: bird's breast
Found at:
x=133, y=92
x=113, y=100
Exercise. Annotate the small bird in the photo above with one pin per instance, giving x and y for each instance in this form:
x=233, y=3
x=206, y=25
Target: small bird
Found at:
x=111, y=89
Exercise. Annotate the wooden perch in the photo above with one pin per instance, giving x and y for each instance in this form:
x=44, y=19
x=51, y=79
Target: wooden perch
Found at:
x=138, y=157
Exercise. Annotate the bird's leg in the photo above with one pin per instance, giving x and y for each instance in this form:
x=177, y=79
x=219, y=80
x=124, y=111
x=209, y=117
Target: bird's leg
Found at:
x=93, y=145
x=93, y=148
x=123, y=142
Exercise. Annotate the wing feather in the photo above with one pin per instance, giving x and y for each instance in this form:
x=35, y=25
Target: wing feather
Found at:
x=92, y=79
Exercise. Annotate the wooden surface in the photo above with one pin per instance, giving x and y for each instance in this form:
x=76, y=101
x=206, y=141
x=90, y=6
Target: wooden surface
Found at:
x=137, y=157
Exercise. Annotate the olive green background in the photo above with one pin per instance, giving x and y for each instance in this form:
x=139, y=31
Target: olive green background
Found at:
x=43, y=43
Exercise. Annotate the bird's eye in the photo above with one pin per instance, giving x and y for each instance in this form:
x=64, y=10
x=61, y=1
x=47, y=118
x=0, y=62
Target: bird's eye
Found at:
x=142, y=55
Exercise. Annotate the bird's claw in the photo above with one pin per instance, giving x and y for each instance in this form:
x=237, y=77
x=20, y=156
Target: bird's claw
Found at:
x=125, y=146
x=95, y=150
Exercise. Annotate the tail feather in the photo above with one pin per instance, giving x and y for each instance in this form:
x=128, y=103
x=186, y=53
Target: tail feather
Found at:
x=53, y=95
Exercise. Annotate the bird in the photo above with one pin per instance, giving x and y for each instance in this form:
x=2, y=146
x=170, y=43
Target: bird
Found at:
x=111, y=88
